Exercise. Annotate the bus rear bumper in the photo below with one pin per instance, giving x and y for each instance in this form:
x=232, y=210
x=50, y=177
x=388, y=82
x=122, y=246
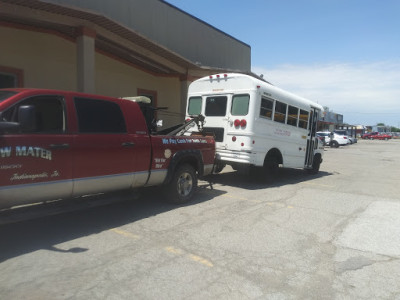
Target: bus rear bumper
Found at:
x=235, y=157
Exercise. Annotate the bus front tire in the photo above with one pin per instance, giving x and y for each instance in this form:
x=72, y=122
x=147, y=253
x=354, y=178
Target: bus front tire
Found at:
x=315, y=165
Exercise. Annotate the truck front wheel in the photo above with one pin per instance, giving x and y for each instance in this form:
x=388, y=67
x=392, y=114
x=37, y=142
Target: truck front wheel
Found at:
x=183, y=185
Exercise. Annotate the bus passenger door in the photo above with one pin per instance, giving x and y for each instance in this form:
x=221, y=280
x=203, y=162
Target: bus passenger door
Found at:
x=311, y=140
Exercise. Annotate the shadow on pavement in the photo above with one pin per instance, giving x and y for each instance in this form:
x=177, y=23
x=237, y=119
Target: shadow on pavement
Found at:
x=29, y=229
x=283, y=177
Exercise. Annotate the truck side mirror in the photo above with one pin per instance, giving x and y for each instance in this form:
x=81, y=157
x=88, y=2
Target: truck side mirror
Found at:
x=6, y=126
x=27, y=118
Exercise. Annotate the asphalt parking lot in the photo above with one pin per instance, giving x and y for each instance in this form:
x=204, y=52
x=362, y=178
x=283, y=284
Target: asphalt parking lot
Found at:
x=334, y=235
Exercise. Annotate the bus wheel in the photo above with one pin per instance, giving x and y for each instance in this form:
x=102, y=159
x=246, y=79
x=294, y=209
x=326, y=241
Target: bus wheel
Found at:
x=218, y=167
x=315, y=166
x=271, y=166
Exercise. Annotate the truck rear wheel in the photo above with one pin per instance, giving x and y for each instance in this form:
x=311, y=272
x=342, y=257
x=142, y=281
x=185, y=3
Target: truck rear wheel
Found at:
x=183, y=184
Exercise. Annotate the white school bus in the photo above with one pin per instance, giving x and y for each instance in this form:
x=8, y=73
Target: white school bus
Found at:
x=256, y=124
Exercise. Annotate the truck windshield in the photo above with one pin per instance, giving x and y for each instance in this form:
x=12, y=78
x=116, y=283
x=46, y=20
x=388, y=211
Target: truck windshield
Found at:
x=6, y=94
x=216, y=106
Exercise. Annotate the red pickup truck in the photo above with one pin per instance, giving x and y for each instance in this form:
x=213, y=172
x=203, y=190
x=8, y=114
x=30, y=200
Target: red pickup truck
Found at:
x=60, y=145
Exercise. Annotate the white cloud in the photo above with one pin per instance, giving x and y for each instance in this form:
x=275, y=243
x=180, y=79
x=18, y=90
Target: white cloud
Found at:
x=364, y=93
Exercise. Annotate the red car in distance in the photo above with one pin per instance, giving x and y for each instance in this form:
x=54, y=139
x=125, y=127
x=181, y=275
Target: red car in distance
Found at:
x=368, y=135
x=382, y=136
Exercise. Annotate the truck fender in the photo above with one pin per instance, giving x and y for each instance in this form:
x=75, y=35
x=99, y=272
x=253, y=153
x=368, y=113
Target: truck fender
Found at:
x=192, y=157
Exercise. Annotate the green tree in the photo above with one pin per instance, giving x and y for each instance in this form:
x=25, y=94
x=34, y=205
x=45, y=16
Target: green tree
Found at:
x=395, y=129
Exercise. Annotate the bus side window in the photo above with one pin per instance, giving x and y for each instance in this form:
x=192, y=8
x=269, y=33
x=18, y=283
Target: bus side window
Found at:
x=293, y=114
x=280, y=112
x=194, y=106
x=303, y=119
x=266, y=108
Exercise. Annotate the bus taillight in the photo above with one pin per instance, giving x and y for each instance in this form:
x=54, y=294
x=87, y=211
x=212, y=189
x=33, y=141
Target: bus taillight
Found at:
x=240, y=123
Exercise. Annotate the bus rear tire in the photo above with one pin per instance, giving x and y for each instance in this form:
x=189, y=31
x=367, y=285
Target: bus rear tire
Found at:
x=271, y=167
x=218, y=167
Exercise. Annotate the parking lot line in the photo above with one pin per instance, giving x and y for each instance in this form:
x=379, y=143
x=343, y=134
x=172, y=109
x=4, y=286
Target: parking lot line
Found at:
x=241, y=198
x=125, y=233
x=191, y=256
x=318, y=184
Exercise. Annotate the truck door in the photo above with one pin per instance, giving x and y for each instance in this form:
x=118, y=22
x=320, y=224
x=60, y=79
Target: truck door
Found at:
x=35, y=163
x=104, y=154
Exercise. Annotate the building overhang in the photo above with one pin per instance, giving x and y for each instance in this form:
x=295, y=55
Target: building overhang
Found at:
x=111, y=38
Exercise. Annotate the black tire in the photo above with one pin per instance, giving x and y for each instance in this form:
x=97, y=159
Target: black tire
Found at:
x=183, y=185
x=315, y=166
x=271, y=167
x=334, y=144
x=219, y=167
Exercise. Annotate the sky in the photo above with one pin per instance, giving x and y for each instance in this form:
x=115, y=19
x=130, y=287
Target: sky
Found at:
x=343, y=54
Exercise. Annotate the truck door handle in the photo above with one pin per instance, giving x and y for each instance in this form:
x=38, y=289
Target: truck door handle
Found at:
x=128, y=144
x=59, y=146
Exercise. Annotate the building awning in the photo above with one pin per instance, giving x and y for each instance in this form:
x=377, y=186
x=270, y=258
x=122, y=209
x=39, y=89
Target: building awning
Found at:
x=111, y=38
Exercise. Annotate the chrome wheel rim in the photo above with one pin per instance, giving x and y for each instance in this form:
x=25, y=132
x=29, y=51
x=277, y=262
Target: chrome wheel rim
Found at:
x=185, y=184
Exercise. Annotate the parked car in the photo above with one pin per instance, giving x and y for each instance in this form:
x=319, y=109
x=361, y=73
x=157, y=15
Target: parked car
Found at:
x=381, y=136
x=339, y=140
x=351, y=139
x=395, y=135
x=325, y=137
x=333, y=139
x=369, y=134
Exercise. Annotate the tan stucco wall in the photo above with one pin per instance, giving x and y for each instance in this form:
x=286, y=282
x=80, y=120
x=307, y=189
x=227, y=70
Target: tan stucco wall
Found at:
x=47, y=60
x=50, y=61
x=117, y=79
